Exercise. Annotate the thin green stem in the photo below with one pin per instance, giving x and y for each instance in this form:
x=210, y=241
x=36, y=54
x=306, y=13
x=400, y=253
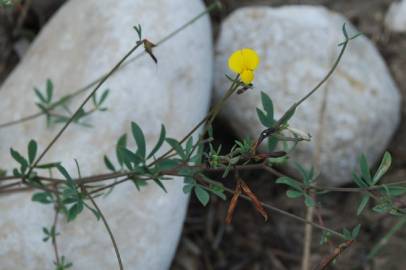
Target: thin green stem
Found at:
x=382, y=243
x=213, y=6
x=120, y=263
x=59, y=134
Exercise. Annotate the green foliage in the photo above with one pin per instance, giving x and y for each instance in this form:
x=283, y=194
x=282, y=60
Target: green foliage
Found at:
x=138, y=29
x=202, y=192
x=63, y=264
x=366, y=180
x=161, y=140
x=139, y=139
x=202, y=195
x=48, y=106
x=363, y=204
x=383, y=167
x=325, y=237
x=177, y=147
x=266, y=117
x=43, y=197
x=297, y=189
x=353, y=234
x=6, y=3
x=98, y=102
x=49, y=233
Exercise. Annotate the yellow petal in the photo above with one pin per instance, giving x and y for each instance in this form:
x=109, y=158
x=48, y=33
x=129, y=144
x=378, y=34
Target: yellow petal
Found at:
x=235, y=62
x=247, y=76
x=250, y=58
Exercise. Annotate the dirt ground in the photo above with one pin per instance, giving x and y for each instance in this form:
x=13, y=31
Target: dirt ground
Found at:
x=249, y=242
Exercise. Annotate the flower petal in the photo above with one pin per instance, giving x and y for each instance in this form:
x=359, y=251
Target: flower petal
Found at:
x=235, y=62
x=247, y=76
x=250, y=58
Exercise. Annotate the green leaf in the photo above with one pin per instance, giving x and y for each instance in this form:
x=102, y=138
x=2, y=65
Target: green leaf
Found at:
x=19, y=158
x=202, y=195
x=394, y=191
x=355, y=231
x=309, y=201
x=263, y=118
x=267, y=105
x=50, y=88
x=32, y=151
x=48, y=165
x=121, y=143
x=189, y=146
x=177, y=147
x=160, y=184
x=109, y=164
x=65, y=174
x=74, y=211
x=40, y=96
x=359, y=181
x=162, y=136
x=104, y=96
x=42, y=197
x=383, y=167
x=363, y=204
x=347, y=234
x=139, y=138
x=187, y=188
x=128, y=158
x=381, y=208
x=289, y=182
x=365, y=172
x=272, y=143
x=286, y=117
x=139, y=183
x=168, y=164
x=293, y=193
x=218, y=190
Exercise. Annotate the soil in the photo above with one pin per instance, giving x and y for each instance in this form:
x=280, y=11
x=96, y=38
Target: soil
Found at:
x=249, y=242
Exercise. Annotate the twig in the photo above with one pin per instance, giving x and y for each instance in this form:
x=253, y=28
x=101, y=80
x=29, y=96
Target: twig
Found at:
x=209, y=9
x=120, y=263
x=54, y=243
x=330, y=258
x=285, y=213
x=59, y=134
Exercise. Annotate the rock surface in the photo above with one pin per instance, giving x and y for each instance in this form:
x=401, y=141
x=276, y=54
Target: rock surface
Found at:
x=395, y=19
x=355, y=112
x=80, y=43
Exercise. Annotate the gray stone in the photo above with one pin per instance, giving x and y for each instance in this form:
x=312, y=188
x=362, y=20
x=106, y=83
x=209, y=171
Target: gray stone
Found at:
x=395, y=19
x=80, y=43
x=355, y=112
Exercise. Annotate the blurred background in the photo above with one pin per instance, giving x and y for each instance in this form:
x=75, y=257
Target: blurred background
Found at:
x=249, y=243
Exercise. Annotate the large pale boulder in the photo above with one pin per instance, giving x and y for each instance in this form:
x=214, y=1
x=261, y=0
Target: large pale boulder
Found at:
x=395, y=19
x=82, y=41
x=355, y=112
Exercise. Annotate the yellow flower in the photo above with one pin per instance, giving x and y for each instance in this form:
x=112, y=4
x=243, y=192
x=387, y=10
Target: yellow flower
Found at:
x=244, y=62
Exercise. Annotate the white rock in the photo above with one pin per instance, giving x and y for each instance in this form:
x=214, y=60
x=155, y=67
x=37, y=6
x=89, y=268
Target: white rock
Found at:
x=395, y=19
x=81, y=42
x=297, y=46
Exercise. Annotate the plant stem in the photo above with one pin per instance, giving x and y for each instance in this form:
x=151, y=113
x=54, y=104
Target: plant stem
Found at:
x=285, y=213
x=120, y=263
x=59, y=134
x=210, y=8
x=384, y=240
